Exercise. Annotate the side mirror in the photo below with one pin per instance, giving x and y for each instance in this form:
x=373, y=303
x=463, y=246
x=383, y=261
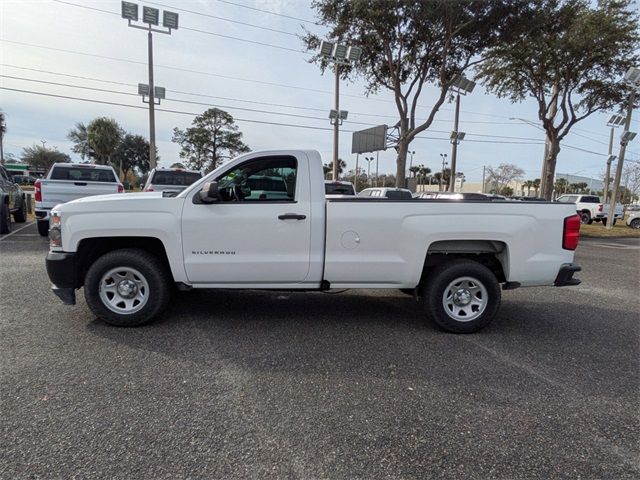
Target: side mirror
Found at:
x=209, y=192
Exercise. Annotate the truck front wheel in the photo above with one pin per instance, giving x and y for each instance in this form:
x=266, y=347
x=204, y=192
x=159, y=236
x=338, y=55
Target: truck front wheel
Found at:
x=127, y=288
x=461, y=296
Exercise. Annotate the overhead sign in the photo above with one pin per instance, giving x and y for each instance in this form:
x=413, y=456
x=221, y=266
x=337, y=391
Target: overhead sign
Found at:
x=170, y=20
x=370, y=140
x=150, y=15
x=130, y=11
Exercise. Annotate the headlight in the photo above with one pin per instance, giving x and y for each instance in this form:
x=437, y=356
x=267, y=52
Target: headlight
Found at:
x=55, y=229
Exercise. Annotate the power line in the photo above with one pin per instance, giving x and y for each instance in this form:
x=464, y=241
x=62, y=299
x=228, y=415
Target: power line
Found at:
x=268, y=12
x=191, y=29
x=263, y=122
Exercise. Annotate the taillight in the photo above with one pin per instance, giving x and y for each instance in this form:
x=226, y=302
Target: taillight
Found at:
x=149, y=189
x=571, y=232
x=120, y=188
x=38, y=191
x=600, y=207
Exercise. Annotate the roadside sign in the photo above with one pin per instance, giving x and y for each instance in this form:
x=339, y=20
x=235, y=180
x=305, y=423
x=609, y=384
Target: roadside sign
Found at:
x=170, y=20
x=150, y=15
x=130, y=11
x=369, y=140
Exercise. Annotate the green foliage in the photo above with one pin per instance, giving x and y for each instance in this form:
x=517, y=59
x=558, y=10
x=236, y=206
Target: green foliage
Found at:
x=212, y=137
x=569, y=57
x=103, y=138
x=132, y=154
x=407, y=44
x=38, y=156
x=80, y=138
x=327, y=168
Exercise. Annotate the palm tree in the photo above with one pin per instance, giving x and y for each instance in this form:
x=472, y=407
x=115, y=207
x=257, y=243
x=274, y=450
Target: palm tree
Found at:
x=414, y=170
x=104, y=136
x=528, y=184
x=423, y=172
x=561, y=185
x=78, y=135
x=536, y=185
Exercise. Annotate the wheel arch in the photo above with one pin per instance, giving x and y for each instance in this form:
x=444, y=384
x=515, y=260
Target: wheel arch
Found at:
x=90, y=249
x=493, y=254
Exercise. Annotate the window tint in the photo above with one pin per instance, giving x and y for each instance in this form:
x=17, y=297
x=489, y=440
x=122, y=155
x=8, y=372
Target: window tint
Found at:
x=262, y=179
x=175, y=178
x=591, y=199
x=338, y=189
x=83, y=174
x=398, y=195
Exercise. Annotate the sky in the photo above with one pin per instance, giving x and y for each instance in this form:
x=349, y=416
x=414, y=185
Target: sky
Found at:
x=243, y=56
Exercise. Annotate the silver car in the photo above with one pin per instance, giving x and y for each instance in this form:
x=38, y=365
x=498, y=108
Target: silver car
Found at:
x=633, y=219
x=170, y=179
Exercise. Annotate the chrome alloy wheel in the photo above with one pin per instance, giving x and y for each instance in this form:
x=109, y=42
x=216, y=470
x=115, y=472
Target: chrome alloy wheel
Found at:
x=124, y=290
x=465, y=299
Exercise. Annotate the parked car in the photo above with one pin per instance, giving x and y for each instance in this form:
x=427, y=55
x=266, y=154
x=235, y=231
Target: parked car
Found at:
x=528, y=199
x=387, y=192
x=209, y=237
x=452, y=196
x=24, y=179
x=12, y=202
x=633, y=219
x=70, y=181
x=634, y=207
x=338, y=189
x=591, y=208
x=170, y=179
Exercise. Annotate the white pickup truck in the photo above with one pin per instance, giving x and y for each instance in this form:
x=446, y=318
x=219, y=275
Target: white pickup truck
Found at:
x=127, y=251
x=69, y=181
x=591, y=208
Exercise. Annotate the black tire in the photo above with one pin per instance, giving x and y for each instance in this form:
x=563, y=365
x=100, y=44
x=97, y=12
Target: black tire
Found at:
x=442, y=277
x=150, y=268
x=43, y=227
x=5, y=218
x=635, y=223
x=604, y=221
x=585, y=217
x=20, y=215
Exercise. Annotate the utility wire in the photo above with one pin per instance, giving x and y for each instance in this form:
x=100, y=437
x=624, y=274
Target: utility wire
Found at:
x=269, y=12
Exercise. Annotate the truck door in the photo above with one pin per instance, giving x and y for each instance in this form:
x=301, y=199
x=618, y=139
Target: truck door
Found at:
x=259, y=230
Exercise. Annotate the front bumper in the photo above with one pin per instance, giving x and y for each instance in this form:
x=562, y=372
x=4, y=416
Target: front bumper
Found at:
x=63, y=273
x=565, y=275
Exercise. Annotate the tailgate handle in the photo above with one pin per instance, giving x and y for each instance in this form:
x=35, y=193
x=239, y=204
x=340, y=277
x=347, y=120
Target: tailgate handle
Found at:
x=80, y=184
x=291, y=216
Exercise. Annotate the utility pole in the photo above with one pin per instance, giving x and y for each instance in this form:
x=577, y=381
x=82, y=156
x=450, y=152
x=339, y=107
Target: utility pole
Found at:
x=444, y=162
x=626, y=137
x=355, y=176
x=553, y=108
x=454, y=146
x=336, y=126
x=377, y=178
x=483, y=177
x=152, y=113
x=609, y=160
x=369, y=160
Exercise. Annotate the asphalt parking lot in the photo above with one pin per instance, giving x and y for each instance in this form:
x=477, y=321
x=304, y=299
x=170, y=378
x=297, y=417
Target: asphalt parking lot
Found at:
x=310, y=385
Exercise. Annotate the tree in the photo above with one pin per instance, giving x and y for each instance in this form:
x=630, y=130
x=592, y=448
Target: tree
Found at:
x=561, y=186
x=132, y=154
x=528, y=184
x=414, y=170
x=423, y=173
x=328, y=168
x=80, y=138
x=407, y=44
x=569, y=57
x=212, y=137
x=502, y=175
x=103, y=137
x=536, y=185
x=631, y=178
x=38, y=156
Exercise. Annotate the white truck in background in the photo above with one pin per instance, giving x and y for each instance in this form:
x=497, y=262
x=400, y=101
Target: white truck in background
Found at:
x=128, y=251
x=69, y=181
x=591, y=208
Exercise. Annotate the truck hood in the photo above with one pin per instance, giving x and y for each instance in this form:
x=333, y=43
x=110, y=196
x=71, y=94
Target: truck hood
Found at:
x=120, y=202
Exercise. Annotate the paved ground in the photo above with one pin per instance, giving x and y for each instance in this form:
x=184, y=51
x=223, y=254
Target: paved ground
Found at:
x=355, y=385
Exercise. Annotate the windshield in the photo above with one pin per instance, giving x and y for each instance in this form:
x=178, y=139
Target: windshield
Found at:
x=175, y=178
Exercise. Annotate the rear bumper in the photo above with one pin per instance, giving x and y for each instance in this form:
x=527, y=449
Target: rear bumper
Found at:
x=63, y=273
x=565, y=275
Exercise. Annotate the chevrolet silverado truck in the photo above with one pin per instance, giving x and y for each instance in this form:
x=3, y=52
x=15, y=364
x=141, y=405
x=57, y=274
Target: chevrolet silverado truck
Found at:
x=129, y=251
x=69, y=181
x=591, y=208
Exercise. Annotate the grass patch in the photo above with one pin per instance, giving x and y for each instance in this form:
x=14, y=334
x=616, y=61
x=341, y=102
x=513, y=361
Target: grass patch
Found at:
x=598, y=230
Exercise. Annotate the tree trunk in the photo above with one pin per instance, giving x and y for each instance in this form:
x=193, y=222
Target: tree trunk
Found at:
x=546, y=183
x=401, y=163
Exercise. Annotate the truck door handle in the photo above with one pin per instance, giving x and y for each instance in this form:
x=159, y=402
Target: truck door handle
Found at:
x=80, y=184
x=291, y=216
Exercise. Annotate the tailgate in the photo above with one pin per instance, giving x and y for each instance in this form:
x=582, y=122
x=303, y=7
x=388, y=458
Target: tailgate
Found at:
x=62, y=191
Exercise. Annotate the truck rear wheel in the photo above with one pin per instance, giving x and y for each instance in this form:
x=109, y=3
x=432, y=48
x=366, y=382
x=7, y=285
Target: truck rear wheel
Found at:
x=5, y=218
x=43, y=227
x=461, y=296
x=127, y=288
x=20, y=215
x=585, y=217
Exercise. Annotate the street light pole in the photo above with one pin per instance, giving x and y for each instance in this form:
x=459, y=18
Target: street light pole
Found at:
x=454, y=145
x=152, y=113
x=377, y=177
x=444, y=162
x=614, y=122
x=632, y=78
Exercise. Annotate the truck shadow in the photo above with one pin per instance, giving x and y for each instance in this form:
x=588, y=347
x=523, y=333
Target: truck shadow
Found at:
x=377, y=336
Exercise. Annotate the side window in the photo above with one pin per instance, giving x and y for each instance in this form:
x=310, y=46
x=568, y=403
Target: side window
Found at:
x=4, y=174
x=260, y=179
